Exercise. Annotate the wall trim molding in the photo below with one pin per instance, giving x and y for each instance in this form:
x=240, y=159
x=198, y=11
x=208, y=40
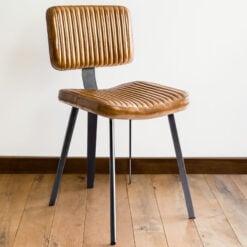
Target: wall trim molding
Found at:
x=28, y=164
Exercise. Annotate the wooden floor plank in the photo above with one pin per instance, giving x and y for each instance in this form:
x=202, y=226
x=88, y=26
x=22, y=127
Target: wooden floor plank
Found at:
x=97, y=228
x=125, y=233
x=70, y=211
x=180, y=231
x=35, y=226
x=97, y=214
x=5, y=238
x=211, y=222
x=241, y=182
x=14, y=191
x=148, y=228
x=233, y=203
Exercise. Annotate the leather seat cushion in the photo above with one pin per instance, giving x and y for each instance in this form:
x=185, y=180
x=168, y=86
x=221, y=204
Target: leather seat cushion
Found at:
x=133, y=100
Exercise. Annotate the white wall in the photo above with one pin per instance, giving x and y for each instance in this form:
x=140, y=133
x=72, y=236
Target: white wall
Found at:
x=196, y=45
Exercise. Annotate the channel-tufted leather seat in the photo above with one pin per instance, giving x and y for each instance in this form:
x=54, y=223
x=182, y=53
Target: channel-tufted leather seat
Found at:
x=85, y=37
x=133, y=100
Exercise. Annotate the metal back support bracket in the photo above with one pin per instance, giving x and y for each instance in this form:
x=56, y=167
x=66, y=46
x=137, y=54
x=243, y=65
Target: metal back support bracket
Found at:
x=89, y=82
x=88, y=78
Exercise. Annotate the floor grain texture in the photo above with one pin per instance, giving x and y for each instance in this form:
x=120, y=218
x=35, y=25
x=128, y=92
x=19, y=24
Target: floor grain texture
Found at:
x=150, y=212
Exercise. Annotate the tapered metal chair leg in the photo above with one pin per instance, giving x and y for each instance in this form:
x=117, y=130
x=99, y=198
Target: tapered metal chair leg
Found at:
x=130, y=150
x=91, y=148
x=63, y=157
x=181, y=167
x=112, y=186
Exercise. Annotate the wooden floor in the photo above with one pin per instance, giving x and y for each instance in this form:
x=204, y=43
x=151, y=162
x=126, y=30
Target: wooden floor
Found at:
x=150, y=212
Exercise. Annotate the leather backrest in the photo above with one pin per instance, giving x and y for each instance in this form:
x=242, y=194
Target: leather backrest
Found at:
x=88, y=36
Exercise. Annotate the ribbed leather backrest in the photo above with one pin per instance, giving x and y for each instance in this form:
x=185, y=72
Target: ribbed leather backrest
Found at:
x=88, y=36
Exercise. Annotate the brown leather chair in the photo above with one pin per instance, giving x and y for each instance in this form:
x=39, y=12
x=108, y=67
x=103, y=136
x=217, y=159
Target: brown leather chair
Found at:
x=85, y=37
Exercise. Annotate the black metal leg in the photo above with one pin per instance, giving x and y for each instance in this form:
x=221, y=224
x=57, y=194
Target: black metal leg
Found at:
x=64, y=154
x=112, y=186
x=181, y=167
x=91, y=148
x=130, y=150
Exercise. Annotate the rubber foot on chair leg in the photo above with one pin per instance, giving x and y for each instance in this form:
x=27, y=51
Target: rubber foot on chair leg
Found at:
x=90, y=184
x=51, y=203
x=113, y=243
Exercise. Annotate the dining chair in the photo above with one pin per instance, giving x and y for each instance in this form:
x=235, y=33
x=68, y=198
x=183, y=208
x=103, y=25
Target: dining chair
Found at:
x=86, y=37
